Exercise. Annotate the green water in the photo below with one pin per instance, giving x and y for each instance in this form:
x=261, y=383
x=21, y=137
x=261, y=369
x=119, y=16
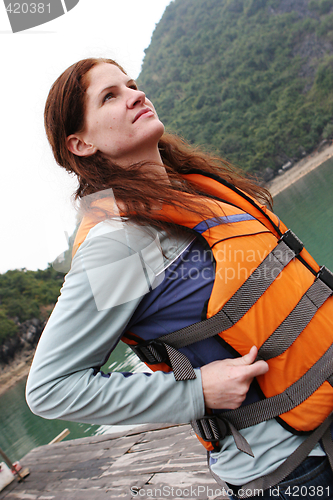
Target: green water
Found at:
x=21, y=431
x=306, y=207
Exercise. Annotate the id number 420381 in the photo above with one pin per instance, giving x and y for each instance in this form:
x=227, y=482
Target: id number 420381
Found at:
x=307, y=491
x=31, y=8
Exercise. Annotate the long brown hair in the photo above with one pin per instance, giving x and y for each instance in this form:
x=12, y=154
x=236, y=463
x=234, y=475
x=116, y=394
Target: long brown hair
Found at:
x=137, y=189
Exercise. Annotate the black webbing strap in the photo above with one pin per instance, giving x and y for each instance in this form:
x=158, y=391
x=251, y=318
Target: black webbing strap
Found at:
x=237, y=306
x=216, y=427
x=251, y=488
x=328, y=446
x=151, y=353
x=181, y=365
x=158, y=352
x=242, y=301
x=210, y=429
x=213, y=429
x=294, y=395
x=284, y=336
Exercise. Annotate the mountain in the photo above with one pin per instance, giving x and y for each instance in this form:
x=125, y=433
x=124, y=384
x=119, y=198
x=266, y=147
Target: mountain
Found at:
x=249, y=79
x=26, y=300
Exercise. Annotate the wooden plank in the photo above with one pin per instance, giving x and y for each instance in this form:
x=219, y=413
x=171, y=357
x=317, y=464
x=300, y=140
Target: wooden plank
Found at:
x=126, y=467
x=60, y=436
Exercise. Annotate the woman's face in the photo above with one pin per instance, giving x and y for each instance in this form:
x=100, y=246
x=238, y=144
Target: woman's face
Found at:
x=119, y=120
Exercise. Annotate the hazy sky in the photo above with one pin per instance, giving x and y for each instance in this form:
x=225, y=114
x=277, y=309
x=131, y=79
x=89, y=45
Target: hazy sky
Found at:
x=35, y=194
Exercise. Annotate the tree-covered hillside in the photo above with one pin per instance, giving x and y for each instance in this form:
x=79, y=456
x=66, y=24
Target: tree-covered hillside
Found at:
x=26, y=300
x=251, y=79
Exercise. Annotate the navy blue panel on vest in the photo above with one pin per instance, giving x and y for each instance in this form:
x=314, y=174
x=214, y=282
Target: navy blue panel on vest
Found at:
x=216, y=221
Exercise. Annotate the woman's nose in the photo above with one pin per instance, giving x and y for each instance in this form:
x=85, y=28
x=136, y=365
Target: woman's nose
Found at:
x=136, y=97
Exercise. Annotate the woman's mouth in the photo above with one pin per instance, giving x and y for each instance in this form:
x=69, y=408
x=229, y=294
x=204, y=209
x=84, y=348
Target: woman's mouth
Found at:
x=142, y=112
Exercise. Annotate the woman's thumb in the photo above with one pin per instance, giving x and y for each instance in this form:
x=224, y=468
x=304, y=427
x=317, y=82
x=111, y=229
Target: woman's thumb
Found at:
x=248, y=358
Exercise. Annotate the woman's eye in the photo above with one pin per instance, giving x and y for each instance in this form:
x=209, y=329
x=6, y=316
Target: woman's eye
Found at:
x=108, y=97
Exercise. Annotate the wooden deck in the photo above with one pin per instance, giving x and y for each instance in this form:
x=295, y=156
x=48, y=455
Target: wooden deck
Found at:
x=146, y=462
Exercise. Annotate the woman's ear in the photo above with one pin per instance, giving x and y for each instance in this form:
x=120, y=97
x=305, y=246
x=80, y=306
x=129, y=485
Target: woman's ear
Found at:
x=77, y=146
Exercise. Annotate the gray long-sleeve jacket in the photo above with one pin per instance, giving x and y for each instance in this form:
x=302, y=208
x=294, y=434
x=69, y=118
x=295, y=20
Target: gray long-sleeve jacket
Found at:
x=111, y=272
x=116, y=267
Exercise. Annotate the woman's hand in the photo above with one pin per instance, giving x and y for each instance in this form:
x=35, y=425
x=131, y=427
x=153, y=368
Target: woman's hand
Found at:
x=225, y=383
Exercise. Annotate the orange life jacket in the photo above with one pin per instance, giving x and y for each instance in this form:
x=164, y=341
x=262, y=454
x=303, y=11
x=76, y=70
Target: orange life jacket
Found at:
x=272, y=294
x=268, y=292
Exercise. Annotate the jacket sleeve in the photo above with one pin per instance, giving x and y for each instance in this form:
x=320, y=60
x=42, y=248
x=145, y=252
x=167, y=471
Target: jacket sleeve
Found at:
x=106, y=282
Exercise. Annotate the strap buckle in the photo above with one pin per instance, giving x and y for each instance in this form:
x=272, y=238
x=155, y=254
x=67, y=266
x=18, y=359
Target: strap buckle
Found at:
x=326, y=276
x=151, y=353
x=210, y=429
x=214, y=428
x=292, y=241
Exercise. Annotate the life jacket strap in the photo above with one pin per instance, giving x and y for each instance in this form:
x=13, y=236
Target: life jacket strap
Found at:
x=164, y=349
x=293, y=242
x=328, y=446
x=158, y=351
x=151, y=352
x=294, y=395
x=214, y=428
x=181, y=365
x=154, y=352
x=326, y=276
x=244, y=298
x=238, y=305
x=251, y=488
x=293, y=325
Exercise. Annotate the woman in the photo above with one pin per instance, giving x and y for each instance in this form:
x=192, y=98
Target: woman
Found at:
x=133, y=272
